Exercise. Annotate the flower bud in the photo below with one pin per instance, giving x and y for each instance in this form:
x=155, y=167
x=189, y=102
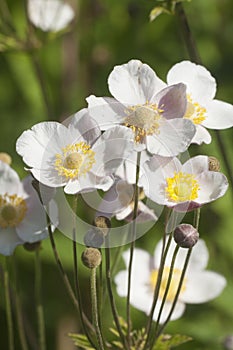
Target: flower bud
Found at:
x=91, y=258
x=186, y=236
x=214, y=164
x=94, y=237
x=103, y=223
x=5, y=158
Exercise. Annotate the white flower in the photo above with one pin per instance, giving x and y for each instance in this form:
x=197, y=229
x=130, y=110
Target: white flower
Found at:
x=184, y=187
x=144, y=104
x=202, y=109
x=50, y=15
x=77, y=156
x=119, y=202
x=22, y=217
x=199, y=285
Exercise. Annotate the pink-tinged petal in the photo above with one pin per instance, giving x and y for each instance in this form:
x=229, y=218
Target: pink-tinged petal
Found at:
x=200, y=83
x=82, y=124
x=172, y=101
x=106, y=111
x=213, y=185
x=174, y=137
x=201, y=135
x=111, y=149
x=9, y=180
x=219, y=115
x=134, y=83
x=202, y=287
x=9, y=240
x=196, y=165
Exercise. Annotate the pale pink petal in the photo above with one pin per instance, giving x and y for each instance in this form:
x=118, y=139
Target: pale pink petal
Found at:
x=9, y=180
x=9, y=240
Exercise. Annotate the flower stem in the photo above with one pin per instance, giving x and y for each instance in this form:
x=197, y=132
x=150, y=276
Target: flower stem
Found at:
x=39, y=306
x=18, y=306
x=8, y=307
x=94, y=305
x=133, y=237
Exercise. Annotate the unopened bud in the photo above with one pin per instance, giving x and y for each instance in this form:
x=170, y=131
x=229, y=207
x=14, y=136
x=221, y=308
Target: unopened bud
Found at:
x=94, y=237
x=32, y=247
x=186, y=236
x=5, y=158
x=103, y=223
x=214, y=164
x=91, y=258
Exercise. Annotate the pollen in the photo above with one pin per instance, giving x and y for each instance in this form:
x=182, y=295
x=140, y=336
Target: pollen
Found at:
x=195, y=112
x=12, y=210
x=182, y=187
x=176, y=274
x=75, y=160
x=143, y=120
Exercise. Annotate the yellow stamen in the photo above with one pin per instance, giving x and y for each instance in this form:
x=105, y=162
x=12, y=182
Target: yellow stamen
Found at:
x=195, y=112
x=76, y=160
x=173, y=285
x=182, y=187
x=12, y=210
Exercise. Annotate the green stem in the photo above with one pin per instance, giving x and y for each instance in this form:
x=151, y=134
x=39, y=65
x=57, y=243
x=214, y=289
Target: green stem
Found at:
x=94, y=305
x=133, y=237
x=39, y=306
x=8, y=307
x=18, y=306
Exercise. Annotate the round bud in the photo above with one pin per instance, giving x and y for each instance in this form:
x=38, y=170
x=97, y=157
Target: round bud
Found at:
x=32, y=247
x=214, y=164
x=103, y=223
x=186, y=236
x=94, y=238
x=91, y=258
x=5, y=158
x=228, y=342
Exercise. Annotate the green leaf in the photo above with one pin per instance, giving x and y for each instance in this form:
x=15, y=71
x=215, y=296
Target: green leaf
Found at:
x=167, y=341
x=81, y=341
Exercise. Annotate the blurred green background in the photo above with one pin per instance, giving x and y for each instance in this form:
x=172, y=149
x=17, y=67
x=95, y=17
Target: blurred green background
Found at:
x=51, y=83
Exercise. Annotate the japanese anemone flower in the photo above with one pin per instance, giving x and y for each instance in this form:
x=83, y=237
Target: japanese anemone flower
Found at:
x=76, y=156
x=202, y=109
x=199, y=285
x=50, y=15
x=22, y=216
x=151, y=110
x=184, y=187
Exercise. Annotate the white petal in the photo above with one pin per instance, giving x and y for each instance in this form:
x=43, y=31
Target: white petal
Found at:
x=111, y=149
x=219, y=115
x=174, y=137
x=202, y=287
x=9, y=180
x=88, y=183
x=49, y=177
x=145, y=213
x=50, y=14
x=177, y=312
x=201, y=135
x=8, y=241
x=196, y=165
x=106, y=111
x=141, y=264
x=134, y=83
x=200, y=84
x=213, y=185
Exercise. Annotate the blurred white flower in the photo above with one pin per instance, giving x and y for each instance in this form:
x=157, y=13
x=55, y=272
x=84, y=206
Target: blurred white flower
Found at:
x=143, y=103
x=199, y=285
x=50, y=15
x=22, y=217
x=202, y=109
x=167, y=182
x=77, y=156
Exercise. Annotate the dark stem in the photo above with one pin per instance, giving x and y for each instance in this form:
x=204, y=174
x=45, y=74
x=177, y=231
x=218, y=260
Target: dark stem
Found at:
x=9, y=318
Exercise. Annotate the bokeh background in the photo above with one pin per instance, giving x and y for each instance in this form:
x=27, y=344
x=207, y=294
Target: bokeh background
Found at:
x=46, y=76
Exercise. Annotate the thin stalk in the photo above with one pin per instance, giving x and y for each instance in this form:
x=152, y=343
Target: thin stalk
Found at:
x=134, y=224
x=9, y=317
x=39, y=306
x=111, y=298
x=194, y=56
x=94, y=308
x=18, y=307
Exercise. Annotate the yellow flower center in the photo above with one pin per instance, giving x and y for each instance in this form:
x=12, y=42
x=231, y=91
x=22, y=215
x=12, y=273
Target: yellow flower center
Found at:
x=182, y=187
x=76, y=160
x=195, y=112
x=143, y=120
x=12, y=210
x=173, y=284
